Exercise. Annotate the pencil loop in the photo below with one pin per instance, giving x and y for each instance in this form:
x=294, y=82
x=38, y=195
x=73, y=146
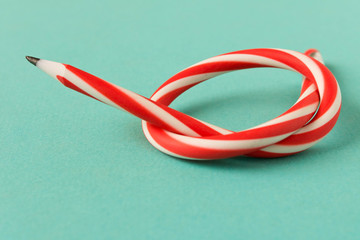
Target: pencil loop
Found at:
x=309, y=120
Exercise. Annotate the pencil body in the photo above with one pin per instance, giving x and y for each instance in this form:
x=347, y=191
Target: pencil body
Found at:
x=180, y=135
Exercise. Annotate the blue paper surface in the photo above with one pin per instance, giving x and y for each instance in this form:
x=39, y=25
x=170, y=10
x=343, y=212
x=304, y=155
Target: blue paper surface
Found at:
x=74, y=168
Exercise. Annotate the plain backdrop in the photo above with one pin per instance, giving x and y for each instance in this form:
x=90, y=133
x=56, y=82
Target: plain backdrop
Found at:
x=74, y=168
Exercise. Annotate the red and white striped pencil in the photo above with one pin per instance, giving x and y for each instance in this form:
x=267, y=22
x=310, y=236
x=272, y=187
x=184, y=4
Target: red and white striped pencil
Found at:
x=180, y=135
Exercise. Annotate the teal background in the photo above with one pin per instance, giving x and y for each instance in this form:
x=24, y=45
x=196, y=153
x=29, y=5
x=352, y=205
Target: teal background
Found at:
x=73, y=168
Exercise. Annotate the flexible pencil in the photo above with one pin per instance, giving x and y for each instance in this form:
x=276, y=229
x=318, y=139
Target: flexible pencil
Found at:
x=180, y=135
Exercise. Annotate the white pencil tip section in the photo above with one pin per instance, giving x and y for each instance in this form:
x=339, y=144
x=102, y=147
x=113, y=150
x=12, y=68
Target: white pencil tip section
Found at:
x=54, y=69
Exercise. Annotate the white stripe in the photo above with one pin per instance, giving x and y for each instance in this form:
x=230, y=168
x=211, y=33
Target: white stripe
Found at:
x=182, y=82
x=248, y=58
x=223, y=131
x=278, y=148
x=312, y=88
x=227, y=144
x=74, y=79
x=290, y=116
x=153, y=142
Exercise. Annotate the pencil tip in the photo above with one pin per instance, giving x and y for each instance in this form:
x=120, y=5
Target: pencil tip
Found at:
x=32, y=60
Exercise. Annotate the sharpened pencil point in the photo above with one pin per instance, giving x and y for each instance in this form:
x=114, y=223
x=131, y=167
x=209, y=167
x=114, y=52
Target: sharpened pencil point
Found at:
x=32, y=60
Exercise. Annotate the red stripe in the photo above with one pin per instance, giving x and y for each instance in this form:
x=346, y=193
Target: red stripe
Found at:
x=68, y=84
x=210, y=68
x=313, y=135
x=171, y=96
x=190, y=151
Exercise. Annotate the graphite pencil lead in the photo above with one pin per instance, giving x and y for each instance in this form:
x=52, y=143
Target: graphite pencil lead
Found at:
x=32, y=60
